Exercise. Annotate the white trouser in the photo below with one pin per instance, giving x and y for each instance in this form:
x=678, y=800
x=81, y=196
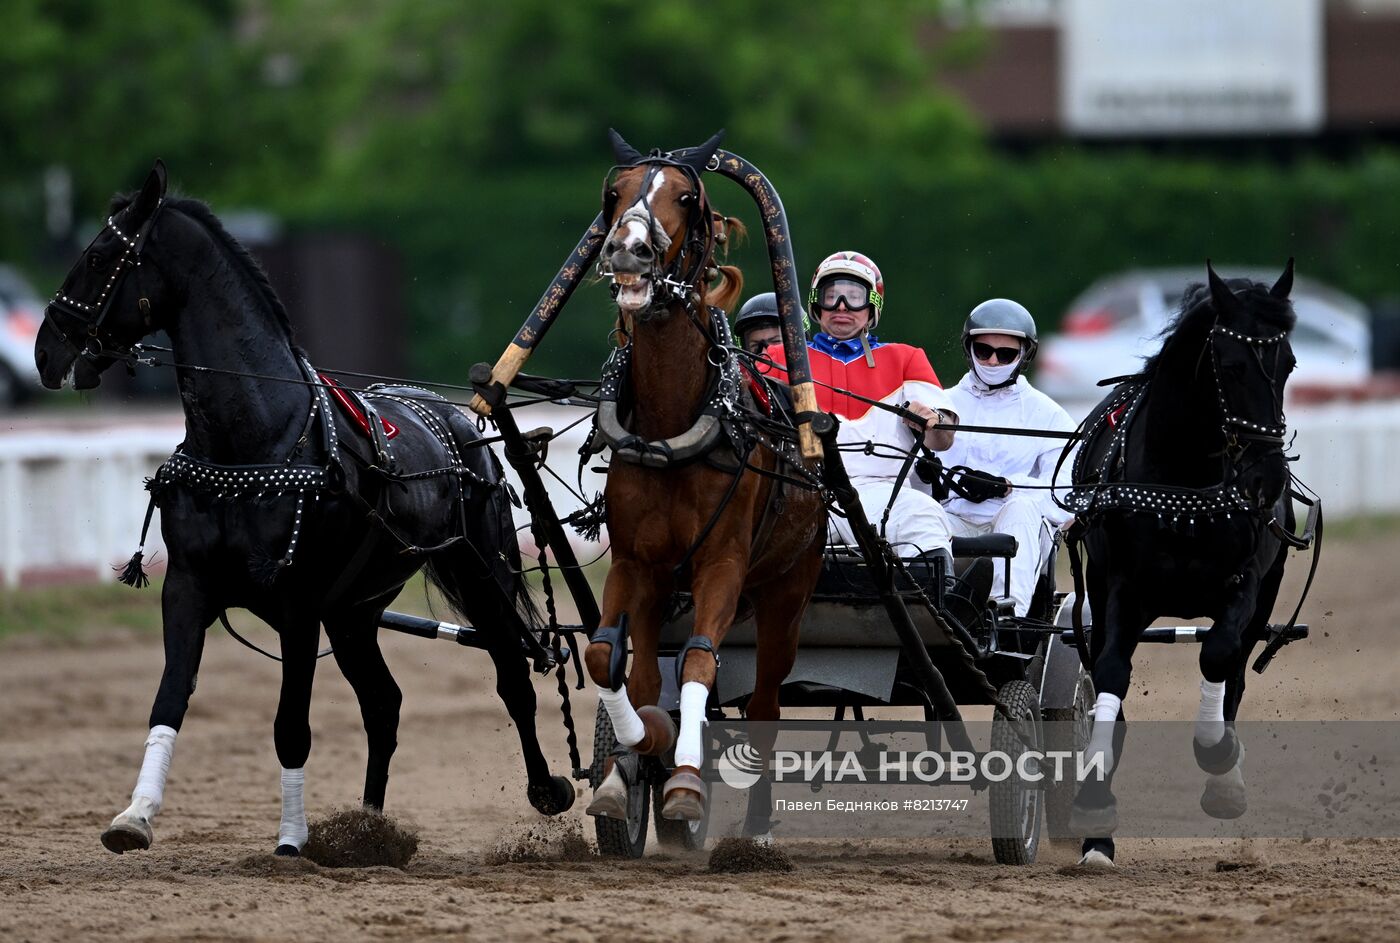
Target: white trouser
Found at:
x=1020, y=517
x=917, y=524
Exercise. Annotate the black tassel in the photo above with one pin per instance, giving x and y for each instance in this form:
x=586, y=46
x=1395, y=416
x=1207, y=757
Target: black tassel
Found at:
x=588, y=520
x=264, y=570
x=133, y=574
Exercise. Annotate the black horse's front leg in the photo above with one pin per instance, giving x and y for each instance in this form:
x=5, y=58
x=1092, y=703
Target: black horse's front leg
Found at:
x=187, y=612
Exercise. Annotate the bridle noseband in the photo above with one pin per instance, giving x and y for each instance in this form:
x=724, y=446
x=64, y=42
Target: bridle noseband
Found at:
x=80, y=323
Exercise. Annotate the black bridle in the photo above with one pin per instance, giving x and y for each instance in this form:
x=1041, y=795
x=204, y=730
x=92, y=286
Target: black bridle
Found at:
x=81, y=323
x=671, y=282
x=1235, y=428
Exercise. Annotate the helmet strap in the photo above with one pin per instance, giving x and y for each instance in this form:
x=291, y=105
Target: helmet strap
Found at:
x=865, y=346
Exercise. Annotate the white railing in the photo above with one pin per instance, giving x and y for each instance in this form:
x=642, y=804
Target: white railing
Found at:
x=72, y=500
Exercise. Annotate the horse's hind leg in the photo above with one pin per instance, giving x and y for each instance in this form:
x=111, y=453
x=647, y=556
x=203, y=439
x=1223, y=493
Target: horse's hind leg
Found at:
x=778, y=611
x=479, y=595
x=291, y=729
x=355, y=640
x=1094, y=813
x=549, y=794
x=186, y=613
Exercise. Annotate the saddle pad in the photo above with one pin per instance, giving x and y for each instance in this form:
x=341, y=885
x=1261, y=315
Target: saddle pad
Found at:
x=352, y=409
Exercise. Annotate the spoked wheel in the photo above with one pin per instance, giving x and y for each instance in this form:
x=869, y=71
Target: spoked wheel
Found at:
x=1067, y=729
x=618, y=838
x=1015, y=808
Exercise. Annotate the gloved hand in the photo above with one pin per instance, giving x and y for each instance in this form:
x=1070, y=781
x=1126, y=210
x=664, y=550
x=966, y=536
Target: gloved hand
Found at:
x=929, y=468
x=979, y=486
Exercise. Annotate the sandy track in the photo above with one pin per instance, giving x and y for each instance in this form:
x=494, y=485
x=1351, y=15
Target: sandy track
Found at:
x=74, y=721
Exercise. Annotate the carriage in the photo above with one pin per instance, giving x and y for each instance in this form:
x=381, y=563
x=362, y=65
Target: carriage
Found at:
x=875, y=632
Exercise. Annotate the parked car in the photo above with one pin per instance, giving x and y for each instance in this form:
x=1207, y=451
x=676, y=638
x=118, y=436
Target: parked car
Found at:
x=21, y=313
x=1118, y=321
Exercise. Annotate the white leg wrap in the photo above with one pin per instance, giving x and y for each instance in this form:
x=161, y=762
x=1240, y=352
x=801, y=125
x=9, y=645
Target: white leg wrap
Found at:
x=626, y=724
x=149, y=794
x=1210, y=718
x=1101, y=740
x=690, y=745
x=293, y=829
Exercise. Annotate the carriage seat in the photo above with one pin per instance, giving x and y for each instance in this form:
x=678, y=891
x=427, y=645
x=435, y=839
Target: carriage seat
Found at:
x=985, y=545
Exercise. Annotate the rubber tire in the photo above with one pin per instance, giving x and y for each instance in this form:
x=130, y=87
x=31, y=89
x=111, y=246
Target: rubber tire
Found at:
x=617, y=839
x=1059, y=799
x=1008, y=799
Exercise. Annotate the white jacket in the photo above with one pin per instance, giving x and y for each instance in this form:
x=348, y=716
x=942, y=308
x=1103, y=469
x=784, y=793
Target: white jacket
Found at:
x=1022, y=460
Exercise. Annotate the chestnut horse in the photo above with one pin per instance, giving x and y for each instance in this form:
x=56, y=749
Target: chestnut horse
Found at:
x=738, y=536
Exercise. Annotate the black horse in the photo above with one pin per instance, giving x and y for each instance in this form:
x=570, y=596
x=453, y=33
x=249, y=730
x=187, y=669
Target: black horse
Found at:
x=274, y=502
x=1181, y=491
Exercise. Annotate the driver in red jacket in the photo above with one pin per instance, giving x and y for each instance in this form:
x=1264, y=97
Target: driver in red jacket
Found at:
x=847, y=297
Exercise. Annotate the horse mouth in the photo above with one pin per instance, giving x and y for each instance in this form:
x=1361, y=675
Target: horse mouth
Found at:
x=633, y=290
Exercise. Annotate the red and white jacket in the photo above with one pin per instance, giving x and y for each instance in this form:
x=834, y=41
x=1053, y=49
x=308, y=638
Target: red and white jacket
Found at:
x=902, y=374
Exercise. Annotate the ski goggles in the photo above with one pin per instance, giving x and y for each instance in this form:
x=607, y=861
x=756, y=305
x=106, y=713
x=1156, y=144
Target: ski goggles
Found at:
x=854, y=294
x=1003, y=355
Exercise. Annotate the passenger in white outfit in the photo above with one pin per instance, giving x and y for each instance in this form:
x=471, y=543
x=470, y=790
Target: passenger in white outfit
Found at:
x=1005, y=474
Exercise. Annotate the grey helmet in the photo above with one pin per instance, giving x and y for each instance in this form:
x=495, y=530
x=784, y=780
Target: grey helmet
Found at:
x=756, y=310
x=1002, y=316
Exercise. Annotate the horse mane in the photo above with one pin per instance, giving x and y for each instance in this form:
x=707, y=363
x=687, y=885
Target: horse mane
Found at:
x=1196, y=313
x=731, y=280
x=200, y=212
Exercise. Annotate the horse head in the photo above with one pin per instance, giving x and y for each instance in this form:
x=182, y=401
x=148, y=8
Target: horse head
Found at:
x=109, y=300
x=661, y=229
x=1248, y=344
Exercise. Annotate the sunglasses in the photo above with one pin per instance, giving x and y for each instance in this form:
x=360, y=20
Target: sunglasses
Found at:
x=1003, y=355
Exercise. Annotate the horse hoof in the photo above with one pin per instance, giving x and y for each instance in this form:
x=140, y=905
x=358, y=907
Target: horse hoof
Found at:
x=552, y=797
x=1090, y=822
x=1225, y=797
x=610, y=798
x=1097, y=861
x=128, y=833
x=287, y=851
x=1220, y=758
x=684, y=795
x=659, y=731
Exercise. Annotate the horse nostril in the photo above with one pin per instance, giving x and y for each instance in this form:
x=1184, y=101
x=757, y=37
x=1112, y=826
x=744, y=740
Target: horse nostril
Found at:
x=41, y=359
x=642, y=251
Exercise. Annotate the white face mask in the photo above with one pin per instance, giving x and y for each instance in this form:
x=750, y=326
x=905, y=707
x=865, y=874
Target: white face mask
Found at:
x=994, y=374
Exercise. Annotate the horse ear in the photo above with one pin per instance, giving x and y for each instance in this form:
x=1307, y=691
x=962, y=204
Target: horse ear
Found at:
x=1284, y=285
x=1221, y=296
x=625, y=153
x=699, y=157
x=152, y=192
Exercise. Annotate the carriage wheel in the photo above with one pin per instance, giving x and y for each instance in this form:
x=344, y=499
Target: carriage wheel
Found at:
x=616, y=838
x=1016, y=809
x=1069, y=729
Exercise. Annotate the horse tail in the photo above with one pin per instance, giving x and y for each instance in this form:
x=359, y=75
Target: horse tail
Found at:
x=482, y=575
